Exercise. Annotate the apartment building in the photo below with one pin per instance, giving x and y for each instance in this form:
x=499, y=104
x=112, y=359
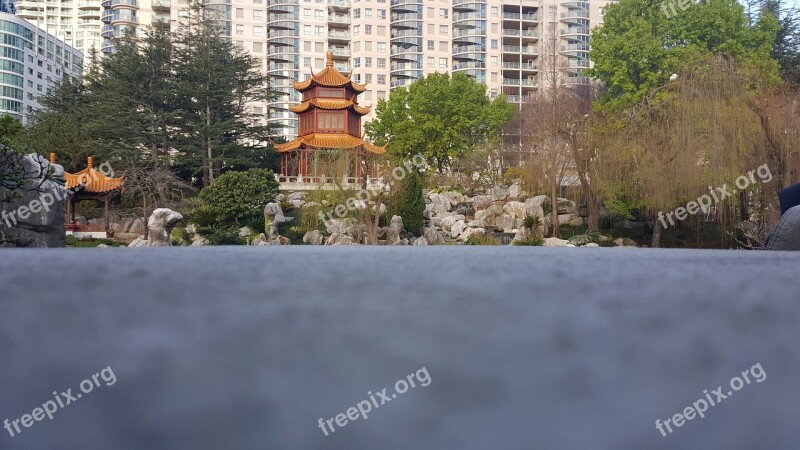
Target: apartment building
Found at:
x=32, y=61
x=123, y=17
x=391, y=43
x=76, y=22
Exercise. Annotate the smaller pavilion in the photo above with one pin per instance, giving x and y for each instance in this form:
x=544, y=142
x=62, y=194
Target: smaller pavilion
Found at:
x=89, y=184
x=329, y=124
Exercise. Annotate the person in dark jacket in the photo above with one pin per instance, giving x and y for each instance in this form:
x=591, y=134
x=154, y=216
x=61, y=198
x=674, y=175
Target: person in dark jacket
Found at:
x=787, y=234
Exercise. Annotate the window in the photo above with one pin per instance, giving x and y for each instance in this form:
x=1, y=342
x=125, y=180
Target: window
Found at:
x=495, y=11
x=443, y=62
x=307, y=30
x=494, y=60
x=431, y=62
x=306, y=62
x=258, y=14
x=257, y=31
x=368, y=78
x=368, y=12
x=306, y=13
x=319, y=31
x=431, y=45
x=381, y=79
x=443, y=30
x=319, y=14
x=443, y=13
x=239, y=13
x=367, y=29
x=381, y=14
x=356, y=62
x=381, y=63
x=368, y=61
x=381, y=47
x=357, y=13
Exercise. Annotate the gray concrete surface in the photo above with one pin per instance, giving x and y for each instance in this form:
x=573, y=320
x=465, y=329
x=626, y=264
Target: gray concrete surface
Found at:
x=527, y=348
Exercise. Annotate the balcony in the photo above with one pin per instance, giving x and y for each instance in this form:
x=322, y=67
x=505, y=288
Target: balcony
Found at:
x=575, y=48
x=575, y=14
x=528, y=50
x=340, y=52
x=469, y=65
x=469, y=32
x=338, y=19
x=521, y=33
x=581, y=31
x=130, y=3
x=87, y=5
x=271, y=3
x=339, y=4
x=334, y=35
x=521, y=17
x=520, y=66
x=525, y=82
x=457, y=17
x=343, y=67
x=283, y=33
x=460, y=50
x=161, y=5
x=405, y=17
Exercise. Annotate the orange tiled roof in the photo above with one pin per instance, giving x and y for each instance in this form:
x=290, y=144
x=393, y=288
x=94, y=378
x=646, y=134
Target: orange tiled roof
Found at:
x=329, y=104
x=92, y=181
x=329, y=77
x=329, y=141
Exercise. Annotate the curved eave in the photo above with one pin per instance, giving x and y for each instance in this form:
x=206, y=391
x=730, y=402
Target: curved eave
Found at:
x=329, y=141
x=330, y=105
x=90, y=180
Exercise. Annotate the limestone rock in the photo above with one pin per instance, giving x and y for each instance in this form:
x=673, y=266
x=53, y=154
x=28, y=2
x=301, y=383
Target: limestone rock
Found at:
x=160, y=225
x=556, y=242
x=457, y=229
x=313, y=238
x=339, y=239
x=137, y=226
x=499, y=192
x=394, y=230
x=432, y=236
x=420, y=241
x=245, y=232
x=37, y=217
x=273, y=216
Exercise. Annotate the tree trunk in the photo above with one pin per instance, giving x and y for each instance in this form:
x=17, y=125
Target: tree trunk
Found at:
x=591, y=202
x=209, y=152
x=554, y=208
x=656, y=242
x=146, y=219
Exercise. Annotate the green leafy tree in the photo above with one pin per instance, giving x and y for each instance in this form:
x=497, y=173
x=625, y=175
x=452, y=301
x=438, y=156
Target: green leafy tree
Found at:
x=240, y=196
x=640, y=45
x=216, y=80
x=409, y=203
x=440, y=116
x=10, y=129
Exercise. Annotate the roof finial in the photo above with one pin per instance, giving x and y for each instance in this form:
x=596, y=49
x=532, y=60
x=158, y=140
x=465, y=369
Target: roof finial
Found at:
x=89, y=162
x=52, y=157
x=329, y=62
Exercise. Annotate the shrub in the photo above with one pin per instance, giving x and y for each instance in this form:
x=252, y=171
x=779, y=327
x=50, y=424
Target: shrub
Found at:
x=240, y=196
x=178, y=236
x=408, y=202
x=532, y=240
x=583, y=239
x=225, y=236
x=482, y=240
x=531, y=221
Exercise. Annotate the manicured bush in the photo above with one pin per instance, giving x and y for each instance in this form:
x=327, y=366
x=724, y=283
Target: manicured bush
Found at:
x=482, y=240
x=240, y=196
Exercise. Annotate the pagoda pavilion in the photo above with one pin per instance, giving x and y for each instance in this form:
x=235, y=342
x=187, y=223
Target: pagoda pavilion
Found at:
x=89, y=184
x=330, y=123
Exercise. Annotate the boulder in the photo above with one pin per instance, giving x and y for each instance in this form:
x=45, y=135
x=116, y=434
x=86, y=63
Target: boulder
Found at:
x=160, y=225
x=199, y=241
x=440, y=202
x=137, y=226
x=556, y=242
x=296, y=196
x=447, y=223
x=457, y=228
x=468, y=232
x=481, y=201
x=245, y=232
x=263, y=240
x=489, y=215
x=625, y=242
x=420, y=241
x=339, y=239
x=191, y=229
x=538, y=201
x=499, y=192
x=515, y=209
x=506, y=222
x=592, y=244
x=515, y=191
x=138, y=242
x=313, y=237
x=454, y=197
x=432, y=236
x=273, y=216
x=394, y=231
